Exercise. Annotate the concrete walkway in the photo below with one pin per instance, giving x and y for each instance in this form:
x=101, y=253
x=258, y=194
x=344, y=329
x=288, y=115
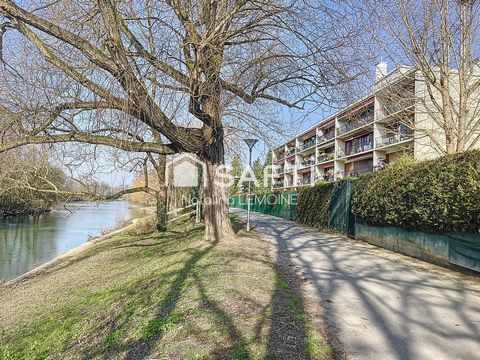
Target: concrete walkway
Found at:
x=378, y=304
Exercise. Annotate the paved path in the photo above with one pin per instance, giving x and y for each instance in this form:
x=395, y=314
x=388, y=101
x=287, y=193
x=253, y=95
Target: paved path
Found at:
x=378, y=304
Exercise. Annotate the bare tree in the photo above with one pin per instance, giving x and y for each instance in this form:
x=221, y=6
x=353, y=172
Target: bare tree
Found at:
x=22, y=172
x=119, y=73
x=437, y=39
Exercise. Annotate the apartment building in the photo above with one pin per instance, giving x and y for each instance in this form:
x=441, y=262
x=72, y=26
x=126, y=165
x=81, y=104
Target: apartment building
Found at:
x=365, y=136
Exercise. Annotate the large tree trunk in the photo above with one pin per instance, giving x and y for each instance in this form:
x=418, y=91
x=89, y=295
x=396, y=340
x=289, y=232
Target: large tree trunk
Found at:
x=206, y=105
x=161, y=197
x=162, y=210
x=215, y=193
x=215, y=204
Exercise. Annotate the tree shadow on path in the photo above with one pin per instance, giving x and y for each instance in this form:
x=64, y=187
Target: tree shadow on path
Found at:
x=377, y=302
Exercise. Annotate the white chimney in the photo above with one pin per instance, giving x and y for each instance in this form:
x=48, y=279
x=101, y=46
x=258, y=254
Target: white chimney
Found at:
x=380, y=70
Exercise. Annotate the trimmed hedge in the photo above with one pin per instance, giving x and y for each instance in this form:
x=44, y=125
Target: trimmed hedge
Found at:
x=314, y=205
x=436, y=196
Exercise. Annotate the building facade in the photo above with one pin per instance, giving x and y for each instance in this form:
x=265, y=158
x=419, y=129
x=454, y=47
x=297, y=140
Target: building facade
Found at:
x=365, y=136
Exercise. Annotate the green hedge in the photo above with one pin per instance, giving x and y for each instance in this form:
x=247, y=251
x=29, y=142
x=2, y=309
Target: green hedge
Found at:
x=314, y=205
x=441, y=195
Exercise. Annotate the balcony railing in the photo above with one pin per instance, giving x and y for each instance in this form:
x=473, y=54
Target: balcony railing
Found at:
x=289, y=168
x=290, y=152
x=326, y=157
x=279, y=157
x=354, y=125
x=301, y=182
x=307, y=144
x=398, y=106
x=355, y=149
x=325, y=137
x=278, y=185
x=392, y=139
x=279, y=170
x=324, y=177
x=307, y=163
x=357, y=172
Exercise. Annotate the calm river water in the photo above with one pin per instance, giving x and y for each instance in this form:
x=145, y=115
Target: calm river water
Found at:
x=27, y=242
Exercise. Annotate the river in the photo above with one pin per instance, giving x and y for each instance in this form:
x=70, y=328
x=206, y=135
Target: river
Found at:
x=27, y=241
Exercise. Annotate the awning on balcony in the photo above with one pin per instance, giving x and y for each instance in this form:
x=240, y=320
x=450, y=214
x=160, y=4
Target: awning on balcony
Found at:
x=368, y=155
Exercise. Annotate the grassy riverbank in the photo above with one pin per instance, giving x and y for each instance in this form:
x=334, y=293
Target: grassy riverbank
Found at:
x=169, y=295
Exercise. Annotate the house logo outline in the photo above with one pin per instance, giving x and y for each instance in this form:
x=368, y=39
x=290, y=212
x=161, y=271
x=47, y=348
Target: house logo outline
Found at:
x=184, y=171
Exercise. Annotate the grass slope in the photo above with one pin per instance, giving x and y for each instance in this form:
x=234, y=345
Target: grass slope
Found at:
x=169, y=296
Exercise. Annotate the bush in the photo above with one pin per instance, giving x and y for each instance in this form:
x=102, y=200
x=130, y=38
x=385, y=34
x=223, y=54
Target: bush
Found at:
x=437, y=196
x=314, y=204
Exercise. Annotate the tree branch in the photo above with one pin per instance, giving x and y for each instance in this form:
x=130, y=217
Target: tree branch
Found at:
x=126, y=145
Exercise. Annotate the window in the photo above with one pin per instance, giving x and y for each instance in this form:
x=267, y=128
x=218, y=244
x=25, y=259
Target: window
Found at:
x=360, y=144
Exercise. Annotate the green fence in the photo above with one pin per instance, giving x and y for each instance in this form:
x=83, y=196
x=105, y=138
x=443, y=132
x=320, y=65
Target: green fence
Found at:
x=443, y=249
x=464, y=250
x=340, y=216
x=282, y=204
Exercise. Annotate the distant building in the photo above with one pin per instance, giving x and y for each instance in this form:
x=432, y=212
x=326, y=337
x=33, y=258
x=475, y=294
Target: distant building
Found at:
x=365, y=136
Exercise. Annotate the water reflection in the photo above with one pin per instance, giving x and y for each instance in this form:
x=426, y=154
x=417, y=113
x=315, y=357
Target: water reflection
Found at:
x=27, y=241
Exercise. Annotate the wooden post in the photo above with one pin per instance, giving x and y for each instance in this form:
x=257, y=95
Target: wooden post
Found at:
x=197, y=212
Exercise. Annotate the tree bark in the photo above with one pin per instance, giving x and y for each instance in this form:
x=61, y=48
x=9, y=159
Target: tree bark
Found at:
x=215, y=193
x=161, y=210
x=161, y=194
x=215, y=201
x=215, y=204
x=463, y=69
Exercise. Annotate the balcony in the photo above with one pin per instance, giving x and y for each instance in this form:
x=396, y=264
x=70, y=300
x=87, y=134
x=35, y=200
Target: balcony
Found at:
x=306, y=163
x=279, y=157
x=289, y=168
x=325, y=177
x=325, y=157
x=356, y=172
x=290, y=152
x=277, y=185
x=391, y=139
x=302, y=182
x=354, y=125
x=279, y=170
x=398, y=106
x=306, y=144
x=355, y=149
x=326, y=137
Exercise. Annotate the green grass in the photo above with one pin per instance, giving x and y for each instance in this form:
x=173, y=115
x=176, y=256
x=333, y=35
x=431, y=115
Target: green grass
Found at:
x=168, y=295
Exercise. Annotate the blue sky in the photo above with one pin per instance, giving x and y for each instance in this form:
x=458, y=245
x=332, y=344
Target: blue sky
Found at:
x=302, y=120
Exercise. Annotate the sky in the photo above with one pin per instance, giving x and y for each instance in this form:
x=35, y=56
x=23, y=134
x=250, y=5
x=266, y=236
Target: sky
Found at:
x=298, y=121
x=302, y=120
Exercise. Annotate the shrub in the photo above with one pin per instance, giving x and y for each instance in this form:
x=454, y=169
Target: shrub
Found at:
x=146, y=225
x=314, y=204
x=441, y=195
